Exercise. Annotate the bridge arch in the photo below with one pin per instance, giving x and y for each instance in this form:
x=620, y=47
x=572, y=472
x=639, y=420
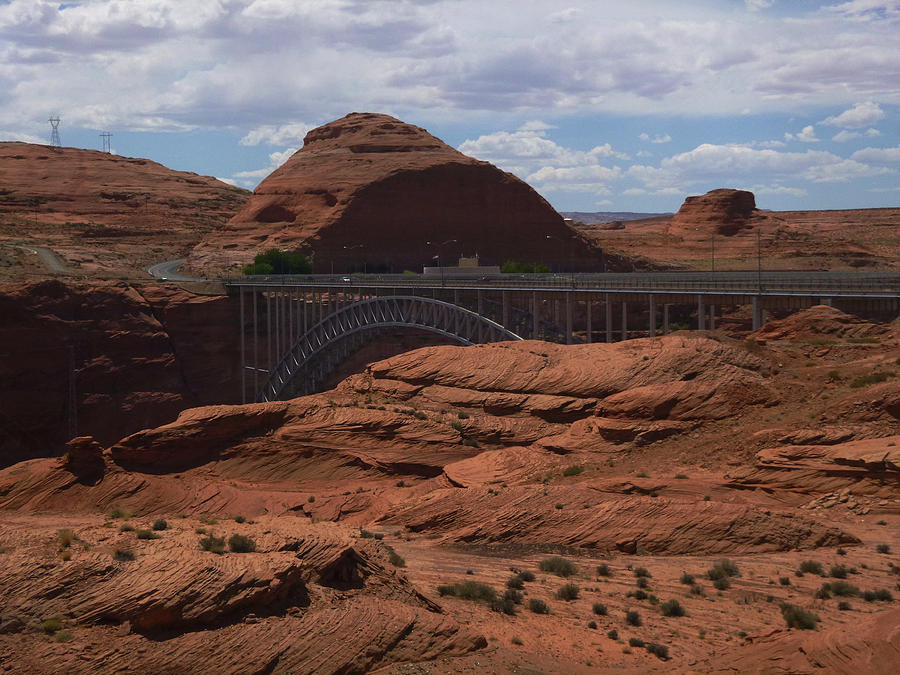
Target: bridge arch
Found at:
x=352, y=321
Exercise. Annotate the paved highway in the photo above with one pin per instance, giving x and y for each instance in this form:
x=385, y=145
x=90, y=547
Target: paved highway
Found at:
x=168, y=271
x=50, y=260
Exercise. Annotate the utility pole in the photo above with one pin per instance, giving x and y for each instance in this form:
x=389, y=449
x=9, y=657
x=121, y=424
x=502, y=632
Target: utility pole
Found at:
x=54, y=131
x=107, y=146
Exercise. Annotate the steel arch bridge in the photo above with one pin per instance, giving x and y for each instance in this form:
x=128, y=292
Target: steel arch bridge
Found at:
x=341, y=328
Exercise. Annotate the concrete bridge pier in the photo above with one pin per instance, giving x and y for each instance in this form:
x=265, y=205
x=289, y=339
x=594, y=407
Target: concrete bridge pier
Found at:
x=652, y=315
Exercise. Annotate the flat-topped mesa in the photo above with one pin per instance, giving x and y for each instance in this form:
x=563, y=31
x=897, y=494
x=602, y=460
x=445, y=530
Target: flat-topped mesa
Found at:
x=369, y=191
x=727, y=210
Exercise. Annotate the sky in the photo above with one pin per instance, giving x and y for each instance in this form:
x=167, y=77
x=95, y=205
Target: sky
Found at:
x=599, y=105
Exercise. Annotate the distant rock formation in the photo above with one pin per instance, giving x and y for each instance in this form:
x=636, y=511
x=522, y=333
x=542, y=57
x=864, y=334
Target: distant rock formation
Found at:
x=726, y=210
x=370, y=191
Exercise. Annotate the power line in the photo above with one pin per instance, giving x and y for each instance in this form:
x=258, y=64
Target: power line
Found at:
x=107, y=146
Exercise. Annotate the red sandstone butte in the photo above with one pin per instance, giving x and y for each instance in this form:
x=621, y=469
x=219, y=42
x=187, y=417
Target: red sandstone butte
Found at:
x=368, y=188
x=729, y=211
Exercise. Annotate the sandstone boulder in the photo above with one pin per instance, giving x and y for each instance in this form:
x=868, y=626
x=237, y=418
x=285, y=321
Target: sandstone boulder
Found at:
x=723, y=211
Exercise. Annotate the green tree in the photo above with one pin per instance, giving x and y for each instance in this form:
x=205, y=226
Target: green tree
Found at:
x=276, y=261
x=513, y=267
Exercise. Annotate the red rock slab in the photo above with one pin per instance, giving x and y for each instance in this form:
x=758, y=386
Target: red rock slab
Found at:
x=871, y=646
x=562, y=517
x=819, y=321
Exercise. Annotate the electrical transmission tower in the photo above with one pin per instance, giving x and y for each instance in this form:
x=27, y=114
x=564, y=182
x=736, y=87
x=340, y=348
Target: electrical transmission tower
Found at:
x=107, y=146
x=54, y=131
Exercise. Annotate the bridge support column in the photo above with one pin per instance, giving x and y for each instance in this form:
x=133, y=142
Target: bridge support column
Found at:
x=269, y=331
x=666, y=318
x=480, y=313
x=652, y=315
x=504, y=296
x=255, y=346
x=568, y=318
x=712, y=317
x=754, y=324
x=624, y=320
x=535, y=319
x=825, y=301
x=243, y=353
x=587, y=312
x=700, y=312
x=609, y=336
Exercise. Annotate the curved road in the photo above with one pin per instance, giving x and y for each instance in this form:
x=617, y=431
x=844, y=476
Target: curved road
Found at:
x=168, y=271
x=50, y=260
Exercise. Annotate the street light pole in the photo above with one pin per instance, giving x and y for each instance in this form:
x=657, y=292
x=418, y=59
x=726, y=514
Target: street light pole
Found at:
x=440, y=256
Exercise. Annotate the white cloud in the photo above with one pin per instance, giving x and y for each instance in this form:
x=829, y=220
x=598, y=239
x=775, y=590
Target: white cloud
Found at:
x=877, y=155
x=286, y=134
x=873, y=132
x=778, y=190
x=843, y=136
x=756, y=5
x=737, y=164
x=805, y=135
x=22, y=137
x=658, y=138
x=252, y=178
x=860, y=115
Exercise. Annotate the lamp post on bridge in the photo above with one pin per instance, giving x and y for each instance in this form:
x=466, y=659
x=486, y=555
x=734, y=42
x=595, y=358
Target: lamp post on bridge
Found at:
x=353, y=246
x=440, y=255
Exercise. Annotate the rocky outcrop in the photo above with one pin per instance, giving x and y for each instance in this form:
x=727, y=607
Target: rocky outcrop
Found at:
x=560, y=517
x=369, y=189
x=818, y=322
x=135, y=355
x=723, y=211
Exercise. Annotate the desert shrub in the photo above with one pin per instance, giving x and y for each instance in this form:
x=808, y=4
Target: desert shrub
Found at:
x=240, y=519
x=469, y=590
x=681, y=476
x=599, y=609
x=420, y=415
x=723, y=569
x=641, y=572
x=573, y=470
x=503, y=605
x=396, y=559
x=117, y=513
x=462, y=415
x=635, y=642
x=642, y=582
x=722, y=584
x=514, y=595
x=752, y=345
x=658, y=650
x=213, y=544
x=672, y=608
x=633, y=618
x=65, y=538
x=696, y=589
x=63, y=636
x=51, y=625
x=567, y=592
x=603, y=570
x=811, y=567
x=871, y=378
x=797, y=617
x=160, y=524
x=123, y=554
x=843, y=589
x=592, y=625
x=639, y=594
x=612, y=634
x=881, y=595
x=526, y=575
x=126, y=528
x=241, y=543
x=558, y=566
x=687, y=579
x=843, y=605
x=784, y=581
x=516, y=640
x=513, y=267
x=515, y=582
x=66, y=556
x=208, y=520
x=559, y=507
x=883, y=548
x=841, y=551
x=147, y=534
x=838, y=572
x=538, y=606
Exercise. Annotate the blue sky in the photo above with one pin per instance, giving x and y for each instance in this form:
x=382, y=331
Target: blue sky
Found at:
x=598, y=105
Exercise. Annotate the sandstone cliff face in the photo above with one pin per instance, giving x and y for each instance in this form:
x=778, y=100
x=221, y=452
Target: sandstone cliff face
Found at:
x=140, y=355
x=723, y=211
x=368, y=188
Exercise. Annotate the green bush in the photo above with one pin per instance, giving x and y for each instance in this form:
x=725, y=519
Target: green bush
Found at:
x=123, y=554
x=469, y=590
x=213, y=544
x=723, y=568
x=843, y=605
x=241, y=543
x=63, y=636
x=603, y=570
x=275, y=261
x=784, y=581
x=658, y=650
x=504, y=605
x=612, y=634
x=635, y=642
x=872, y=378
x=160, y=524
x=515, y=582
x=687, y=579
x=883, y=548
x=573, y=470
x=881, y=595
x=696, y=589
x=642, y=582
x=842, y=589
x=538, y=606
x=633, y=618
x=722, y=584
x=642, y=572
x=592, y=625
x=558, y=566
x=513, y=267
x=599, y=609
x=396, y=559
x=567, y=592
x=526, y=576
x=240, y=519
x=126, y=528
x=672, y=608
x=637, y=595
x=811, y=567
x=797, y=617
x=147, y=534
x=51, y=625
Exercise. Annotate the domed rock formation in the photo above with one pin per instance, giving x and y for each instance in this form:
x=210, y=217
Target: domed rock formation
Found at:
x=370, y=191
x=726, y=210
